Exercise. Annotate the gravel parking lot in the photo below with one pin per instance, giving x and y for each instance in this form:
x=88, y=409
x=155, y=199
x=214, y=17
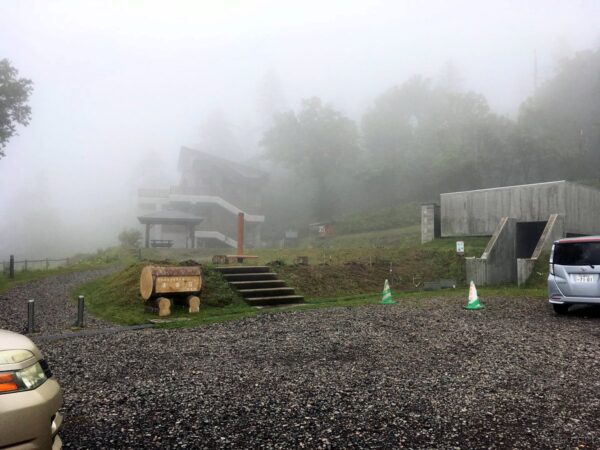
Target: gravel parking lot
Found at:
x=54, y=310
x=423, y=375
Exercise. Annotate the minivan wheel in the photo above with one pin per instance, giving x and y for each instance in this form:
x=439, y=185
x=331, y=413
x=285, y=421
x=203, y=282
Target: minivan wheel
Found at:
x=560, y=309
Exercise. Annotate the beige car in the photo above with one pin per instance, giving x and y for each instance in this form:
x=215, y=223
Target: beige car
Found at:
x=29, y=396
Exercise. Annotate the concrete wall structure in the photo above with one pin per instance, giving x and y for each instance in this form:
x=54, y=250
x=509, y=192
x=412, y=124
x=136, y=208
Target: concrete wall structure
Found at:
x=498, y=263
x=430, y=222
x=555, y=229
x=523, y=222
x=477, y=213
x=582, y=209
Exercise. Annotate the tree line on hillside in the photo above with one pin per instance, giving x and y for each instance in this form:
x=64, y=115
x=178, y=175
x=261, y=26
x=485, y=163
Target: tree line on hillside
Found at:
x=420, y=139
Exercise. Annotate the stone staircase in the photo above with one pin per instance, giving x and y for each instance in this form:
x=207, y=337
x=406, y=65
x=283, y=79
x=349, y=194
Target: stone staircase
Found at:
x=259, y=286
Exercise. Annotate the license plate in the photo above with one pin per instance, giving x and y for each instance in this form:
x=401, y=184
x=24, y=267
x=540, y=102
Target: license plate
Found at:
x=584, y=278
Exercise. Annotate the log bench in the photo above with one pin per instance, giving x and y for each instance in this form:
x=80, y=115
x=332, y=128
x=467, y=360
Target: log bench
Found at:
x=160, y=286
x=240, y=258
x=166, y=243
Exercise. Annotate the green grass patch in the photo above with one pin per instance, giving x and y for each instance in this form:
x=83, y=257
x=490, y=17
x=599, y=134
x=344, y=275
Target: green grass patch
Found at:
x=109, y=257
x=382, y=219
x=389, y=245
x=116, y=299
x=414, y=297
x=32, y=275
x=539, y=275
x=344, y=271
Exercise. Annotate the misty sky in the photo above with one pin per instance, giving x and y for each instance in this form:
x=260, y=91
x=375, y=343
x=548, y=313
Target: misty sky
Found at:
x=116, y=80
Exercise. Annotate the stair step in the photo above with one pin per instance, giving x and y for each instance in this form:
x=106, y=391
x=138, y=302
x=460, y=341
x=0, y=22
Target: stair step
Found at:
x=258, y=301
x=267, y=292
x=255, y=284
x=250, y=276
x=242, y=269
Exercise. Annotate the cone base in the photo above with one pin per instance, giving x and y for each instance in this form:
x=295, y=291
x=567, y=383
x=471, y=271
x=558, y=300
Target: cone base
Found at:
x=387, y=302
x=474, y=307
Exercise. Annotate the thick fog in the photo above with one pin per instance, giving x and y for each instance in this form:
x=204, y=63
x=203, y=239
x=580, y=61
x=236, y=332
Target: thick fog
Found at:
x=119, y=86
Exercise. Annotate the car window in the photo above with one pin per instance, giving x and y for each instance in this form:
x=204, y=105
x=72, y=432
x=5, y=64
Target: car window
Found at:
x=577, y=254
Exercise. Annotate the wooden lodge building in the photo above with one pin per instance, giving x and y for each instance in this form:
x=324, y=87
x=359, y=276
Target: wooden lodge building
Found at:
x=211, y=193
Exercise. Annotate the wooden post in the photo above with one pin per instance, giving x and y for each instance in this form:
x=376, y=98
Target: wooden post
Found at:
x=80, y=309
x=11, y=267
x=147, y=235
x=240, y=234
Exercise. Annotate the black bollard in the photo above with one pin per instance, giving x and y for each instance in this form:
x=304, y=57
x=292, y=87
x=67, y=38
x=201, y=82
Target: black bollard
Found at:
x=30, y=316
x=80, y=308
x=11, y=267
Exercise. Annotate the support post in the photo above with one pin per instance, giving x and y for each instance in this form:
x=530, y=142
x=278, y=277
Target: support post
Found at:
x=240, y=234
x=192, y=232
x=80, y=309
x=11, y=267
x=147, y=235
x=30, y=316
x=47, y=264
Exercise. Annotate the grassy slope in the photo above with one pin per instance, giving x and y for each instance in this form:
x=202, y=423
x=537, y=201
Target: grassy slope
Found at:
x=355, y=264
x=382, y=219
x=114, y=256
x=344, y=271
x=116, y=299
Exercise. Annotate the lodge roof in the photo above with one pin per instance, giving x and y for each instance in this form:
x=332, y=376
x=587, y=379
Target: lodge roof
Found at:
x=187, y=156
x=169, y=217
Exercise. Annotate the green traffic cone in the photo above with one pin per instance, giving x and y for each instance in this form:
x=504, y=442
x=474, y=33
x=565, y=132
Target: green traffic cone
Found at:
x=386, y=298
x=473, y=298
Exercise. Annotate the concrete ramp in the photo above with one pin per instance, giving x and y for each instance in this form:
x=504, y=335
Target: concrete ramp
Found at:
x=554, y=230
x=498, y=263
x=217, y=235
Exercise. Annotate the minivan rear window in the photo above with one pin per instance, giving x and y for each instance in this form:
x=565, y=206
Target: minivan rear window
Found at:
x=577, y=254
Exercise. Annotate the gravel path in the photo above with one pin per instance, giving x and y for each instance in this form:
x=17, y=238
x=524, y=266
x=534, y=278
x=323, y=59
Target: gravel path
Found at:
x=422, y=375
x=54, y=309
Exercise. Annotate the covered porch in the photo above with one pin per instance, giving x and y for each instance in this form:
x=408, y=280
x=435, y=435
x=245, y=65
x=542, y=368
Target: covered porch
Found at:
x=168, y=217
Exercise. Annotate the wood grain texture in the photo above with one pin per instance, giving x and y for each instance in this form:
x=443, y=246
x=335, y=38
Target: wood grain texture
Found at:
x=162, y=280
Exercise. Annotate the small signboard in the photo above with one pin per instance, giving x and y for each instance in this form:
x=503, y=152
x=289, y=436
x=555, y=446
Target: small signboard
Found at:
x=291, y=234
x=460, y=247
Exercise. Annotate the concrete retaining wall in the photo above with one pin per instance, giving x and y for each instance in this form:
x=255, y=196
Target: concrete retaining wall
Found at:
x=582, y=206
x=430, y=222
x=498, y=263
x=555, y=229
x=477, y=213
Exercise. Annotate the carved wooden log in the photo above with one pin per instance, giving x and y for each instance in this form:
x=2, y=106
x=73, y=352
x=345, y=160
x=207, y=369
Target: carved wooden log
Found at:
x=158, y=281
x=160, y=305
x=193, y=304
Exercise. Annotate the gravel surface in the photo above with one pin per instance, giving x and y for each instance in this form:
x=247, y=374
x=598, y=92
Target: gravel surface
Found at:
x=427, y=374
x=54, y=309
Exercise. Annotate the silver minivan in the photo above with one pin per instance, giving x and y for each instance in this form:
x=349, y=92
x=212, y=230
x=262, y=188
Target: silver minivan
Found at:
x=574, y=276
